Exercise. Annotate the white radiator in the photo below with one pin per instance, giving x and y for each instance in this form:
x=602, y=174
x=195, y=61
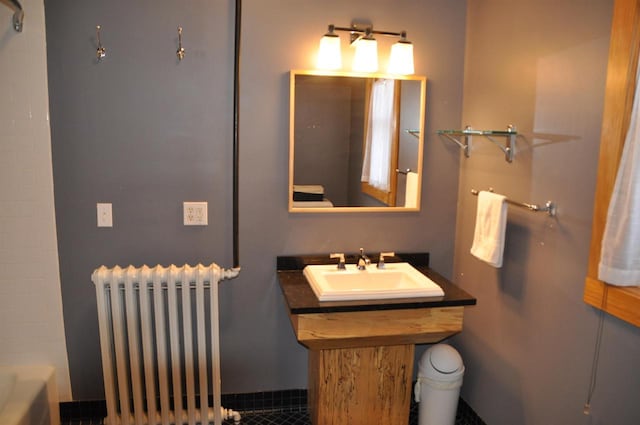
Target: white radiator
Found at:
x=157, y=326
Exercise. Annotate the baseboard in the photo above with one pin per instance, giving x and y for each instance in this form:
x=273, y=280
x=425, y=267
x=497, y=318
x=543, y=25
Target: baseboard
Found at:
x=266, y=402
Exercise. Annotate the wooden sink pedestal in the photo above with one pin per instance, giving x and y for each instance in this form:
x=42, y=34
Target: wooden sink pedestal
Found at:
x=361, y=362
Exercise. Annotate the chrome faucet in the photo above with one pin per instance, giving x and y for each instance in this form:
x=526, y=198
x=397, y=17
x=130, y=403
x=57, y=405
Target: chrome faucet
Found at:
x=363, y=260
x=382, y=256
x=340, y=257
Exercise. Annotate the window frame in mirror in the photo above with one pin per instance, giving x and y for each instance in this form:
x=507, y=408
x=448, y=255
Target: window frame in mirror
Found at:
x=350, y=209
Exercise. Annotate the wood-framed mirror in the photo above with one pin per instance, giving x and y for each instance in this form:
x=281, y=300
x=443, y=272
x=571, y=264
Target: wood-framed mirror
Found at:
x=355, y=142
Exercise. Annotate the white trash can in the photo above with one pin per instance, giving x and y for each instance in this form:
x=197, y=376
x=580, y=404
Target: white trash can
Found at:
x=437, y=390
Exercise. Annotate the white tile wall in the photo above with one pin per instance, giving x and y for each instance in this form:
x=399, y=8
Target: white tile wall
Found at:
x=31, y=326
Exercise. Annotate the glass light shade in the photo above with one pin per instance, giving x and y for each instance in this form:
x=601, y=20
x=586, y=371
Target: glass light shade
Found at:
x=401, y=58
x=365, y=58
x=329, y=53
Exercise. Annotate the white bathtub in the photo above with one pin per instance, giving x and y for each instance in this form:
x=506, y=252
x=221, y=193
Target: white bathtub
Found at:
x=28, y=396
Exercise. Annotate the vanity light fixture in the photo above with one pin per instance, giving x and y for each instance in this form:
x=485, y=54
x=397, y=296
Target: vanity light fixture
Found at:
x=365, y=59
x=366, y=54
x=401, y=57
x=329, y=54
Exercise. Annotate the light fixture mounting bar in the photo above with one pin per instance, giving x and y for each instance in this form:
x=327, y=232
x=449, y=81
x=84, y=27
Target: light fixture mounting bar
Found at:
x=358, y=30
x=390, y=33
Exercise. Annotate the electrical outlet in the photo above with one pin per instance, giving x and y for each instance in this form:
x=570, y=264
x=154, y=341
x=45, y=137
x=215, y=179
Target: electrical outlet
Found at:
x=105, y=216
x=195, y=214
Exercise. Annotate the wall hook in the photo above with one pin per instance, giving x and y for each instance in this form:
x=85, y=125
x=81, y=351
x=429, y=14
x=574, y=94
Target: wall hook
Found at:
x=101, y=52
x=18, y=14
x=180, y=53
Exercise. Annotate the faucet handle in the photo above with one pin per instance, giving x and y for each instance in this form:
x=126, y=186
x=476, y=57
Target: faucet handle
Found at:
x=340, y=256
x=364, y=256
x=381, y=259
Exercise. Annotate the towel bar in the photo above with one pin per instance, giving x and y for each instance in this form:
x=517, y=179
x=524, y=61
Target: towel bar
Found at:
x=549, y=207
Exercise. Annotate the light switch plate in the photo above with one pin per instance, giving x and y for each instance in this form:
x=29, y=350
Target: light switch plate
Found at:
x=195, y=214
x=105, y=215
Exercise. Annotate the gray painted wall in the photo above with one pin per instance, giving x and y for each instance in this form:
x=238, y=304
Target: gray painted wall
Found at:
x=528, y=344
x=322, y=134
x=146, y=132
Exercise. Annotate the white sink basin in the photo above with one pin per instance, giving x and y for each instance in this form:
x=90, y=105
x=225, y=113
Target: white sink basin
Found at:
x=396, y=280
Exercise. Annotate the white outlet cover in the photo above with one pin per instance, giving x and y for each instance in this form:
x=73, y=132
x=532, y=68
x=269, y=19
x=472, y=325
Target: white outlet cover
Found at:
x=105, y=215
x=195, y=213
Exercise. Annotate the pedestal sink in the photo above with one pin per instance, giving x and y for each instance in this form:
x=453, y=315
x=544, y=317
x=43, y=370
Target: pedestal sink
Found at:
x=362, y=342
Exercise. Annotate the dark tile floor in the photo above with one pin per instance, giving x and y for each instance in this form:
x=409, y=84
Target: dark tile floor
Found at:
x=273, y=408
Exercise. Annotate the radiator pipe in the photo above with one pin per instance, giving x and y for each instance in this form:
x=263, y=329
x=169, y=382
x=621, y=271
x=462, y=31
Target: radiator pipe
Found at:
x=229, y=414
x=236, y=134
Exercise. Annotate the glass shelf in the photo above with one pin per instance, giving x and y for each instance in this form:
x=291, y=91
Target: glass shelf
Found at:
x=508, y=148
x=472, y=132
x=415, y=133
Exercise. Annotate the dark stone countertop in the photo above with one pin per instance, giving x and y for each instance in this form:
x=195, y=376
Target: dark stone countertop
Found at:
x=301, y=299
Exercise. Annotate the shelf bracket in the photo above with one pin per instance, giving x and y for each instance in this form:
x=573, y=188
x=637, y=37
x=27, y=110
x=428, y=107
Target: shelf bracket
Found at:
x=509, y=147
x=464, y=145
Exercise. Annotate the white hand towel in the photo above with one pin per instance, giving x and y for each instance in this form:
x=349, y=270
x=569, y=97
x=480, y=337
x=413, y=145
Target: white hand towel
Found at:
x=411, y=190
x=491, y=223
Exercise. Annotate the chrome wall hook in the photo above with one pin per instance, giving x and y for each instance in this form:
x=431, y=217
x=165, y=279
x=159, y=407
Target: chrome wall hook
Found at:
x=180, y=53
x=101, y=52
x=18, y=20
x=18, y=14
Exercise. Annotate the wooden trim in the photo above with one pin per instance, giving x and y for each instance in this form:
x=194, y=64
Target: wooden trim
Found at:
x=621, y=302
x=292, y=120
x=377, y=327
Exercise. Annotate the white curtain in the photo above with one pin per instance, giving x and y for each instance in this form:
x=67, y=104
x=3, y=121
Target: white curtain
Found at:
x=620, y=255
x=376, y=167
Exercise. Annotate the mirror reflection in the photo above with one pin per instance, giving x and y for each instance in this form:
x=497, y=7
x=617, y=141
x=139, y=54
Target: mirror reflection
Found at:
x=355, y=142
